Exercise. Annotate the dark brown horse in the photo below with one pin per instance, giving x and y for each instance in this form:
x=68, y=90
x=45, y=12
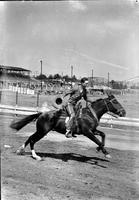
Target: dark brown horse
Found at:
x=87, y=120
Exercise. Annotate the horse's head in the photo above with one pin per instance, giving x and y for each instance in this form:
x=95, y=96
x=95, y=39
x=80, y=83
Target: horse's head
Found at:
x=114, y=106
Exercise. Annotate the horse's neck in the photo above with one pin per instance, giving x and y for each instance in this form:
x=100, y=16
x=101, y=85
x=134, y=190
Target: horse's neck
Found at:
x=61, y=113
x=100, y=109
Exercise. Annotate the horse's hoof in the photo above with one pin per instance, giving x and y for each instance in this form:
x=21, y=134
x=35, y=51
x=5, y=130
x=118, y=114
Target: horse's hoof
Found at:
x=38, y=158
x=108, y=156
x=97, y=149
x=74, y=136
x=68, y=136
x=20, y=151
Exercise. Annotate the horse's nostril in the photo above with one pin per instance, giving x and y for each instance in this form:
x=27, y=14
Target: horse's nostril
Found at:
x=123, y=113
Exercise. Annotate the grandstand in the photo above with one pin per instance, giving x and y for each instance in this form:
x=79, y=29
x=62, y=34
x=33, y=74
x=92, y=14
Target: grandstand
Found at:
x=9, y=69
x=13, y=74
x=16, y=76
x=20, y=79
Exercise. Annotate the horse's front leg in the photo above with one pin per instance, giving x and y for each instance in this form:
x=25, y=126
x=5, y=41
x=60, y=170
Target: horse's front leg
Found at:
x=92, y=137
x=102, y=135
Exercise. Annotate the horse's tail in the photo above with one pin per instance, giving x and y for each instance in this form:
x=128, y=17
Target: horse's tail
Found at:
x=17, y=125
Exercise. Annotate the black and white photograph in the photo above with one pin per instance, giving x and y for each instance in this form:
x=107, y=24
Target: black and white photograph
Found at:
x=69, y=100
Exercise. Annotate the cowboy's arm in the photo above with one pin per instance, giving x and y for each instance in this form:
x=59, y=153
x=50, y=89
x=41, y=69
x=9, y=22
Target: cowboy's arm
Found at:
x=72, y=91
x=86, y=97
x=67, y=93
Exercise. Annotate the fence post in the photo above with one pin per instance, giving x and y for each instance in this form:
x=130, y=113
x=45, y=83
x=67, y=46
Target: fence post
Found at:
x=37, y=99
x=16, y=98
x=0, y=95
x=16, y=102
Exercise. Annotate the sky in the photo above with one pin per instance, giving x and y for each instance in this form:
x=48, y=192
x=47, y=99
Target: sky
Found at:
x=96, y=37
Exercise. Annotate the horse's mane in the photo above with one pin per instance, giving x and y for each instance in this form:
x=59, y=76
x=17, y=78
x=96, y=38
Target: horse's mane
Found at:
x=60, y=112
x=96, y=101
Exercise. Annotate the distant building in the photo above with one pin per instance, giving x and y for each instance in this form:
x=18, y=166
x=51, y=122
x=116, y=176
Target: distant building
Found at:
x=133, y=82
x=10, y=69
x=97, y=81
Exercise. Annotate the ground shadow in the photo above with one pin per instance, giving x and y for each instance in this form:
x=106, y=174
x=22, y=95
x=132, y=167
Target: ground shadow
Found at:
x=72, y=156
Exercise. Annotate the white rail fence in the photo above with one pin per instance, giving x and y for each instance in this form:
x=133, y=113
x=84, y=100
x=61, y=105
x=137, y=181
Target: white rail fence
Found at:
x=21, y=90
x=106, y=119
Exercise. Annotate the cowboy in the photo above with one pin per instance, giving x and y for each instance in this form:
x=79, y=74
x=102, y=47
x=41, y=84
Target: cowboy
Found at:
x=75, y=96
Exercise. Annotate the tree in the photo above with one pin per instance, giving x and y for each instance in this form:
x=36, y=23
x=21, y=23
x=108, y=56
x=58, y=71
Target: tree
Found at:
x=74, y=78
x=57, y=76
x=41, y=76
x=66, y=78
x=50, y=76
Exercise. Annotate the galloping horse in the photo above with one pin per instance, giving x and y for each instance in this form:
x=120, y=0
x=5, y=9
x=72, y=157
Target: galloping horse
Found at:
x=87, y=120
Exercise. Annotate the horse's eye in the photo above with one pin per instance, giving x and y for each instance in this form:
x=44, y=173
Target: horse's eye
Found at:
x=114, y=101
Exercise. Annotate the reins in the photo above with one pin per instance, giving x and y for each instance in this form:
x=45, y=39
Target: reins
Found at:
x=108, y=110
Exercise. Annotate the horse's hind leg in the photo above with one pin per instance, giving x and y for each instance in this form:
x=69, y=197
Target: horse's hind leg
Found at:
x=21, y=149
x=33, y=139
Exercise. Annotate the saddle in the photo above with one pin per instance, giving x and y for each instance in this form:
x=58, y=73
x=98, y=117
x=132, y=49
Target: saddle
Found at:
x=80, y=109
x=78, y=114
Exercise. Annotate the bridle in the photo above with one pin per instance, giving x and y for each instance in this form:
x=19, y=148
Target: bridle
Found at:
x=107, y=107
x=111, y=101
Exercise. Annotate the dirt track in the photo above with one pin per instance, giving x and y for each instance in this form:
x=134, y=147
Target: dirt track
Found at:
x=70, y=170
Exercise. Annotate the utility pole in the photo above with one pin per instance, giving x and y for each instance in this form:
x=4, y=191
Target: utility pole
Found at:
x=71, y=71
x=92, y=78
x=71, y=74
x=108, y=78
x=41, y=74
